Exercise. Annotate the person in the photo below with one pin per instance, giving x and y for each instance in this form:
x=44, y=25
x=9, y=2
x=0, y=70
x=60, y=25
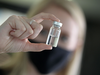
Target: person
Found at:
x=63, y=60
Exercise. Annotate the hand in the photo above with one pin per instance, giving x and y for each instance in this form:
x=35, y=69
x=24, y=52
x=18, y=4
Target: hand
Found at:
x=16, y=30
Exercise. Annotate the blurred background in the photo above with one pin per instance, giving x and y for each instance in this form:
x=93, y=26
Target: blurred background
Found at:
x=91, y=55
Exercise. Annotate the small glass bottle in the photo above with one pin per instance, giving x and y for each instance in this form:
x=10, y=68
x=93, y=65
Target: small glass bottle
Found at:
x=54, y=34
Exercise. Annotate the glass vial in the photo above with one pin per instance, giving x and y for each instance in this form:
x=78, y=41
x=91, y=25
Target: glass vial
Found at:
x=54, y=34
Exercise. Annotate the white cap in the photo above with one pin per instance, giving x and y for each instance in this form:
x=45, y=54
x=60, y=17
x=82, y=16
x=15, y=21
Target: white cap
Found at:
x=58, y=24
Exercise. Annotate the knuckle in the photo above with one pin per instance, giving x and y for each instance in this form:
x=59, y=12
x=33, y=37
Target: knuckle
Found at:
x=16, y=35
x=23, y=29
x=13, y=16
x=30, y=32
x=40, y=27
x=51, y=15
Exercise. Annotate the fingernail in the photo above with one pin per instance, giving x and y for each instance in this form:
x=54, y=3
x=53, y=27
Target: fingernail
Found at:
x=50, y=48
x=59, y=20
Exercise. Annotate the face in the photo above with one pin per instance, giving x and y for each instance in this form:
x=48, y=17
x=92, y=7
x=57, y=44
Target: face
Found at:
x=69, y=31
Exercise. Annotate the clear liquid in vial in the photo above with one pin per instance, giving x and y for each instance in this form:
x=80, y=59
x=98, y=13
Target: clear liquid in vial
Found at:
x=52, y=40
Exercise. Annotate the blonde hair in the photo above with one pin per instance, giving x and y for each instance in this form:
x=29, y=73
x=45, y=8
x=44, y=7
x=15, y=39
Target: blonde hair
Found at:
x=19, y=60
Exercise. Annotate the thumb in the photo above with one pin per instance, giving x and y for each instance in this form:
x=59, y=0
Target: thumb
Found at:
x=36, y=47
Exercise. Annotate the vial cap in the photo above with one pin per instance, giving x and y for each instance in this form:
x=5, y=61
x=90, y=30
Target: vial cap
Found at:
x=58, y=24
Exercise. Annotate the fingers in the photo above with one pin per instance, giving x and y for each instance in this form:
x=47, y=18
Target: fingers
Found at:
x=37, y=28
x=37, y=19
x=40, y=17
x=23, y=29
x=36, y=47
x=28, y=31
x=17, y=28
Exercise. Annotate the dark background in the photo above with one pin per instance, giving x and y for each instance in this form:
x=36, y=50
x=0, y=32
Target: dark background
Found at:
x=91, y=55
